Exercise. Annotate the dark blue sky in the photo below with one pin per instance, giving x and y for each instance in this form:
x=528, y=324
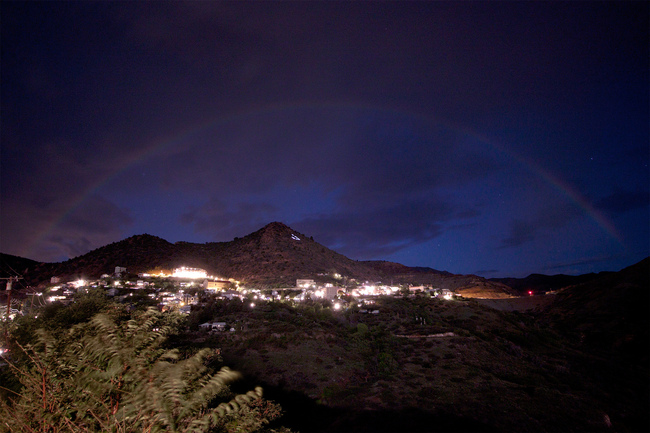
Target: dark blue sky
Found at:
x=497, y=138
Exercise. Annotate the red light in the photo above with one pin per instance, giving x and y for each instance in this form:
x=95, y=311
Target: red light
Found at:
x=530, y=292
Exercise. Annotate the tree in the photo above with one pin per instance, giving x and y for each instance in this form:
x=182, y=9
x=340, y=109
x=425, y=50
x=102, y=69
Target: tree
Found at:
x=106, y=376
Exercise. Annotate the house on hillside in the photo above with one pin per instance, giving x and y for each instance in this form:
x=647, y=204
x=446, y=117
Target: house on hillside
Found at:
x=229, y=294
x=213, y=326
x=446, y=293
x=330, y=292
x=216, y=285
x=305, y=284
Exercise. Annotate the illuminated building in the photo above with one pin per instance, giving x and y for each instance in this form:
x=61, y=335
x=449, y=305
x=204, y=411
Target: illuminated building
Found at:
x=184, y=272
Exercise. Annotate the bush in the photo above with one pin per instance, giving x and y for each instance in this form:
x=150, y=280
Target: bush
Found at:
x=104, y=376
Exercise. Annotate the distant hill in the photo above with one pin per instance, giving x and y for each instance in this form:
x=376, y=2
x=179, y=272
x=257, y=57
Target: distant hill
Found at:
x=608, y=314
x=469, y=286
x=274, y=256
x=11, y=266
x=539, y=283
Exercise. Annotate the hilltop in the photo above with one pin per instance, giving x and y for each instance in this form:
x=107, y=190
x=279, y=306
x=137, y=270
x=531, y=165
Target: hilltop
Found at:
x=273, y=256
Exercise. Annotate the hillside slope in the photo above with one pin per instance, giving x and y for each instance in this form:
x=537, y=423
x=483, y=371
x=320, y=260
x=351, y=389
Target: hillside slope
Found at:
x=274, y=256
x=11, y=266
x=609, y=314
x=539, y=283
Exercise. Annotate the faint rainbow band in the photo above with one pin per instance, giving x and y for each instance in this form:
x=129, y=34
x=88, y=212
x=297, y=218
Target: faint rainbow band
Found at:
x=165, y=143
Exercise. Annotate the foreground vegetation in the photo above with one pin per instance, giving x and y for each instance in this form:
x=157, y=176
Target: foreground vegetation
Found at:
x=419, y=364
x=116, y=372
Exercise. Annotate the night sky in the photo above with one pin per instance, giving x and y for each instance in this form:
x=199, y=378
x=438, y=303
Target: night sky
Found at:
x=495, y=138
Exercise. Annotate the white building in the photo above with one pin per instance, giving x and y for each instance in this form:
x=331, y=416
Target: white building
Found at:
x=216, y=285
x=305, y=284
x=330, y=292
x=213, y=326
x=185, y=272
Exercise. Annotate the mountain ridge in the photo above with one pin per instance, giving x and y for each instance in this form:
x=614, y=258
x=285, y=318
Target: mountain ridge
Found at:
x=273, y=256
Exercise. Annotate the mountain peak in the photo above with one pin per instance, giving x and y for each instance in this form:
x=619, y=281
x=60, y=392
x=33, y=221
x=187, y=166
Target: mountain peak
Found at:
x=275, y=231
x=276, y=226
x=273, y=256
x=144, y=237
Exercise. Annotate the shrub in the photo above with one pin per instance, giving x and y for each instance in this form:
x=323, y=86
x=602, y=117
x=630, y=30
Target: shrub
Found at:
x=105, y=376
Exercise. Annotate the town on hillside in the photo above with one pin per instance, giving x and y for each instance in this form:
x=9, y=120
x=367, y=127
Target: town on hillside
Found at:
x=182, y=288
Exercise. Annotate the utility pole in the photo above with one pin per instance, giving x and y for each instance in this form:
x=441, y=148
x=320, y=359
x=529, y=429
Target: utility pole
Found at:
x=10, y=282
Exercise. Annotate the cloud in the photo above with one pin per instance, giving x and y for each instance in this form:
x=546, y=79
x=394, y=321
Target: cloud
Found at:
x=487, y=273
x=521, y=232
x=622, y=201
x=96, y=222
x=580, y=263
x=40, y=182
x=224, y=221
x=382, y=231
x=524, y=231
x=363, y=180
x=371, y=153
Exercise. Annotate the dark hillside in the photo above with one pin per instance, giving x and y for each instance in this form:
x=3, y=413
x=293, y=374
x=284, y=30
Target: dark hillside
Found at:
x=540, y=284
x=469, y=286
x=609, y=314
x=274, y=256
x=137, y=253
x=441, y=365
x=608, y=320
x=13, y=265
x=278, y=255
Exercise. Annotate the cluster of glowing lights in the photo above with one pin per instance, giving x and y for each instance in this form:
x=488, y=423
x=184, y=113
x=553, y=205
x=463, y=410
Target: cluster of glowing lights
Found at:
x=305, y=284
x=11, y=316
x=161, y=274
x=193, y=273
x=374, y=290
